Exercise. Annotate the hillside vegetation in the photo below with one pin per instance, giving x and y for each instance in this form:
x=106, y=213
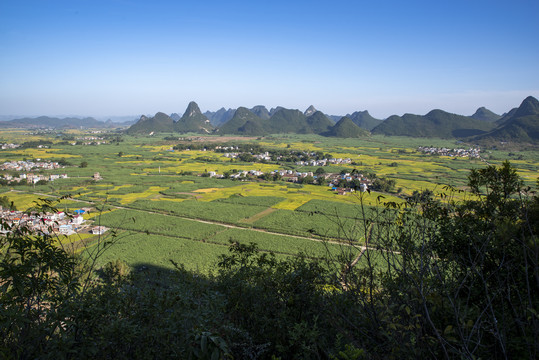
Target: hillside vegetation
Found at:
x=519, y=125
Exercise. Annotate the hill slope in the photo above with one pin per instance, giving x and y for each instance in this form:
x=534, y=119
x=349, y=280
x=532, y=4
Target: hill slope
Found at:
x=437, y=123
x=193, y=121
x=485, y=114
x=364, y=120
x=522, y=125
x=220, y=116
x=244, y=122
x=287, y=121
x=160, y=122
x=261, y=112
x=317, y=123
x=345, y=128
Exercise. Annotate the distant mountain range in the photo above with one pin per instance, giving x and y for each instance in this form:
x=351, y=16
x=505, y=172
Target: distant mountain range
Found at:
x=58, y=123
x=520, y=124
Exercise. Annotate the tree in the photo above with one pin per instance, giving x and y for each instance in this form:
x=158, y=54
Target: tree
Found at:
x=40, y=286
x=307, y=179
x=383, y=185
x=320, y=171
x=5, y=203
x=83, y=164
x=64, y=162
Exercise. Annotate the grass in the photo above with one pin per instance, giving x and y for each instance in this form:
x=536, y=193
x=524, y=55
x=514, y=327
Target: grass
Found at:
x=22, y=201
x=307, y=224
x=158, y=250
x=276, y=243
x=216, y=211
x=158, y=224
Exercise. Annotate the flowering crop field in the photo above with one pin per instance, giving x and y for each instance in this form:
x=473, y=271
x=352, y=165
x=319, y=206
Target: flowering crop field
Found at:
x=164, y=208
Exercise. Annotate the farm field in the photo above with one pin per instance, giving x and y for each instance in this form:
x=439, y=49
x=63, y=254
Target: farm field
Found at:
x=157, y=200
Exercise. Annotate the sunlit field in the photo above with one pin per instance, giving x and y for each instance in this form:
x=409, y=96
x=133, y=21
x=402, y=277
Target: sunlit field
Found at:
x=161, y=208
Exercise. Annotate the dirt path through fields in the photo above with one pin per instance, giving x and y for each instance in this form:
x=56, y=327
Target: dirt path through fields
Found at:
x=258, y=216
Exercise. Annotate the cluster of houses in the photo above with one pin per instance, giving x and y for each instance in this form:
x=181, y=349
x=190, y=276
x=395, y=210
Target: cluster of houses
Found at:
x=29, y=165
x=90, y=140
x=325, y=162
x=49, y=223
x=31, y=178
x=471, y=152
x=226, y=148
x=9, y=146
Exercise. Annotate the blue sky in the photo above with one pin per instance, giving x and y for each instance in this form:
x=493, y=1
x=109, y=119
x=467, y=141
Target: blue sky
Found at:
x=123, y=57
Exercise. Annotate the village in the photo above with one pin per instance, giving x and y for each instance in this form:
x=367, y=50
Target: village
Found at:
x=342, y=183
x=9, y=146
x=471, y=152
x=27, y=165
x=59, y=223
x=89, y=140
x=30, y=178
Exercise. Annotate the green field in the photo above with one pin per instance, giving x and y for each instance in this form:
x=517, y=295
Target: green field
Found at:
x=165, y=210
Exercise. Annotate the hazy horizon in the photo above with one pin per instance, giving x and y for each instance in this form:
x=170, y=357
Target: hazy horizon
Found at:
x=124, y=118
x=112, y=58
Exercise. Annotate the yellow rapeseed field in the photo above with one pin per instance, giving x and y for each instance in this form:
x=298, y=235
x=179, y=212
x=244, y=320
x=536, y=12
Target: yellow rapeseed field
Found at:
x=150, y=192
x=23, y=201
x=294, y=197
x=42, y=153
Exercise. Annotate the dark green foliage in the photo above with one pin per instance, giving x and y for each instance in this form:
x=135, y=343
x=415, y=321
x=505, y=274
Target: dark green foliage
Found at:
x=35, y=144
x=276, y=304
x=6, y=204
x=383, y=185
x=36, y=279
